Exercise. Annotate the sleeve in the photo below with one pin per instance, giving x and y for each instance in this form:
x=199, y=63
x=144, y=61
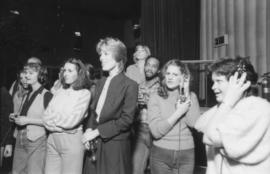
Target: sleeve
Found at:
x=69, y=118
x=91, y=120
x=47, y=98
x=203, y=121
x=158, y=125
x=245, y=134
x=114, y=127
x=6, y=109
x=128, y=71
x=194, y=111
x=12, y=88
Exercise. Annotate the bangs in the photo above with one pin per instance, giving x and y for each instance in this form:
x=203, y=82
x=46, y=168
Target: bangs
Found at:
x=32, y=66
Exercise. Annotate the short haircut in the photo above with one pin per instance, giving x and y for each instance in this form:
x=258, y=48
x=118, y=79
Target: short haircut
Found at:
x=34, y=60
x=82, y=82
x=117, y=48
x=227, y=67
x=151, y=57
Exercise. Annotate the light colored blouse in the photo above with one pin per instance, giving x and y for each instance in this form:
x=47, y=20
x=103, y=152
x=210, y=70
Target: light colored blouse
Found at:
x=67, y=109
x=177, y=136
x=243, y=145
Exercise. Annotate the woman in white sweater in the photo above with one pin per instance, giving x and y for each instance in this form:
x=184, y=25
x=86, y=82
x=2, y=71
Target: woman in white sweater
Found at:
x=63, y=118
x=236, y=130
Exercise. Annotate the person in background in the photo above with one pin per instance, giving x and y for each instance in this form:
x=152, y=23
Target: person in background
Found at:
x=90, y=74
x=143, y=138
x=136, y=71
x=34, y=60
x=17, y=85
x=63, y=119
x=57, y=84
x=113, y=109
x=236, y=131
x=30, y=147
x=6, y=107
x=172, y=112
x=18, y=92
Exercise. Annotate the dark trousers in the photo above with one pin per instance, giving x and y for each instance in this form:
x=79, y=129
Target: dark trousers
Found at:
x=142, y=145
x=113, y=157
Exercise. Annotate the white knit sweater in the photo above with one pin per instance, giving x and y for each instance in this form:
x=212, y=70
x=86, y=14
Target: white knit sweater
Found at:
x=245, y=138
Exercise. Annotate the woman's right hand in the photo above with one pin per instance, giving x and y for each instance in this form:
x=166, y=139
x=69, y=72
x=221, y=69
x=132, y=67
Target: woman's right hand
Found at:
x=8, y=151
x=12, y=116
x=186, y=85
x=182, y=107
x=236, y=88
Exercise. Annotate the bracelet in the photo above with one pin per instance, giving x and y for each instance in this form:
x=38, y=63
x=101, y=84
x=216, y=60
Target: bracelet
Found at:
x=226, y=104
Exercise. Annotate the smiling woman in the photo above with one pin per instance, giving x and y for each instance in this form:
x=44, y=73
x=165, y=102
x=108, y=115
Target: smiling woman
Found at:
x=236, y=132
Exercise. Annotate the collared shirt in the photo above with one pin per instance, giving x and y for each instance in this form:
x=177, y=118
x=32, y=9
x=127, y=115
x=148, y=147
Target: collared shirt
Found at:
x=146, y=89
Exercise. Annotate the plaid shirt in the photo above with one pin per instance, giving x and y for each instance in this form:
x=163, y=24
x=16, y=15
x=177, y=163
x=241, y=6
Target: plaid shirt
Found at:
x=146, y=88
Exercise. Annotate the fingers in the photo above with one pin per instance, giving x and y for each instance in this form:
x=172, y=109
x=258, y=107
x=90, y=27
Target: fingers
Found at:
x=85, y=138
x=246, y=85
x=8, y=151
x=242, y=79
x=7, y=154
x=233, y=79
x=87, y=145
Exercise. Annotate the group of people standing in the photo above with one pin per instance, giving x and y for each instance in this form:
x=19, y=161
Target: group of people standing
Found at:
x=135, y=119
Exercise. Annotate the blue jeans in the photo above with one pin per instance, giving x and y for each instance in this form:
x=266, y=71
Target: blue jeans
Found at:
x=29, y=156
x=141, y=149
x=165, y=161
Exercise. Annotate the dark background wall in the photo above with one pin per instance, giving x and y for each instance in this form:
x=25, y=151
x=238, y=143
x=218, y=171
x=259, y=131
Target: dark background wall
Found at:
x=46, y=29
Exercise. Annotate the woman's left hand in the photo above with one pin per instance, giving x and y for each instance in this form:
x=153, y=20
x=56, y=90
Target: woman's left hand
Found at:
x=236, y=88
x=186, y=86
x=21, y=120
x=89, y=135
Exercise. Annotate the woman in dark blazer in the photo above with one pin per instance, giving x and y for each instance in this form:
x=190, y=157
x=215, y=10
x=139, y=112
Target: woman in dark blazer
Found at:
x=112, y=115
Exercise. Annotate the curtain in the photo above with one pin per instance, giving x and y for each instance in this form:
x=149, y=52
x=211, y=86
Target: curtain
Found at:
x=171, y=28
x=247, y=24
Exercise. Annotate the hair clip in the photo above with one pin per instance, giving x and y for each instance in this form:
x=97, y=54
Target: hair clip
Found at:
x=241, y=68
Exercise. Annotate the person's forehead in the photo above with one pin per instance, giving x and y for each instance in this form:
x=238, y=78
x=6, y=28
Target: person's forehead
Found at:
x=218, y=76
x=33, y=60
